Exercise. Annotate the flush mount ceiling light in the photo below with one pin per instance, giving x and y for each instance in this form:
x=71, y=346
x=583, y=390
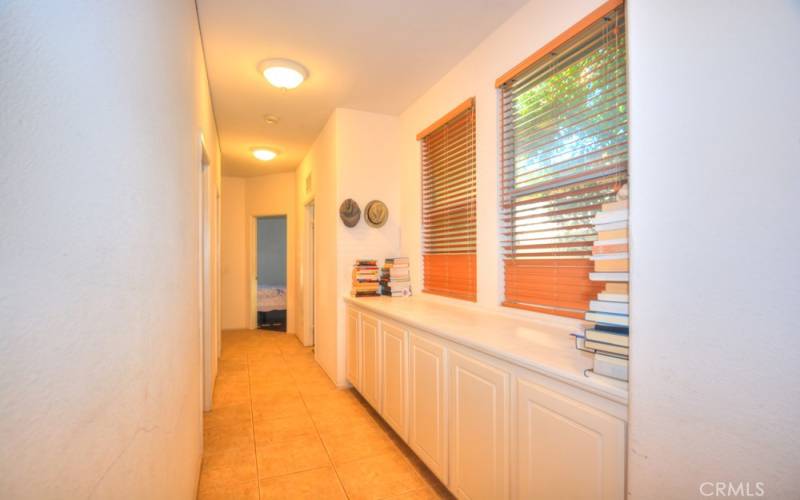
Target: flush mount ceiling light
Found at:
x=263, y=154
x=271, y=119
x=283, y=73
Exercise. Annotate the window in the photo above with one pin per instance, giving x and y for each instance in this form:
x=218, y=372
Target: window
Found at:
x=448, y=204
x=564, y=154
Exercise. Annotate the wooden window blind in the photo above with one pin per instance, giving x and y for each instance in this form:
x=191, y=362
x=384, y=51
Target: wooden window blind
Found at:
x=564, y=153
x=448, y=204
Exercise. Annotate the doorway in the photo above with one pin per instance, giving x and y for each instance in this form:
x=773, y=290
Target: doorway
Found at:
x=208, y=334
x=271, y=264
x=309, y=266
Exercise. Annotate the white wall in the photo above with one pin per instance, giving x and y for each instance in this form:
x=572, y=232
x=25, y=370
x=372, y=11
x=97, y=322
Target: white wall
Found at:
x=367, y=158
x=101, y=383
x=320, y=164
x=272, y=194
x=244, y=199
x=526, y=31
x=355, y=156
x=715, y=283
x=233, y=255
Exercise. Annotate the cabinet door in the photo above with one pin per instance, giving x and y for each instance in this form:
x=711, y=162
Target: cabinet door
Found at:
x=479, y=416
x=427, y=404
x=353, y=349
x=566, y=449
x=370, y=380
x=394, y=378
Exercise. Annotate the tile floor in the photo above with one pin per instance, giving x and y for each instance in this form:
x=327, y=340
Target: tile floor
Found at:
x=279, y=428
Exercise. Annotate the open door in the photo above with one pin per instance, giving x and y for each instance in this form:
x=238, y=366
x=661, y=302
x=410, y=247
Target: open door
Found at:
x=271, y=270
x=309, y=306
x=209, y=339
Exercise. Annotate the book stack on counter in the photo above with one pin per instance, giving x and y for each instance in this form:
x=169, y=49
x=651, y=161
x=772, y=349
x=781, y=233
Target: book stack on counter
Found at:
x=608, y=338
x=366, y=282
x=395, y=277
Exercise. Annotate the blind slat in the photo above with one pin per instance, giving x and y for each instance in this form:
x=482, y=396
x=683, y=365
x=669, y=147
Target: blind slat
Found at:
x=448, y=206
x=564, y=153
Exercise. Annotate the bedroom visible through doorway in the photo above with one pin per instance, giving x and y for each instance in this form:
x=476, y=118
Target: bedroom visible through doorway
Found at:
x=271, y=272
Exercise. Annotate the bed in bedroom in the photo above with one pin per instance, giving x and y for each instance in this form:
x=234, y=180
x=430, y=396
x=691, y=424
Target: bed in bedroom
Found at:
x=271, y=302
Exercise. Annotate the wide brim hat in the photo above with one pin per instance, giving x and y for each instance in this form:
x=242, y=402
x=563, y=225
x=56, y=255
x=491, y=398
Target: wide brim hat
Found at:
x=376, y=213
x=350, y=212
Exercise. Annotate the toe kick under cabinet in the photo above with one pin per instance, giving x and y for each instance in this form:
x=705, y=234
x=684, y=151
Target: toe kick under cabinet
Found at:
x=487, y=426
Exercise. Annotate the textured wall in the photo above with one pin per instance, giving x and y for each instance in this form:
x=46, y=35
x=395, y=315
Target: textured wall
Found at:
x=273, y=195
x=233, y=254
x=320, y=164
x=715, y=280
x=101, y=384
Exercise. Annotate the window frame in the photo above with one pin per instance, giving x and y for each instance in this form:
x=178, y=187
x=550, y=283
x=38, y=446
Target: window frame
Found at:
x=505, y=228
x=459, y=259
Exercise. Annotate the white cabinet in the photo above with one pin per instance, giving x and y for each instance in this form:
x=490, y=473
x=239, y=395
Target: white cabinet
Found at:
x=427, y=403
x=370, y=373
x=479, y=427
x=566, y=449
x=394, y=375
x=489, y=428
x=353, y=350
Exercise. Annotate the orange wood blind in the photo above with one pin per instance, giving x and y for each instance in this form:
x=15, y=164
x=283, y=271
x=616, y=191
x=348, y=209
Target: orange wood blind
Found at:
x=564, y=152
x=448, y=204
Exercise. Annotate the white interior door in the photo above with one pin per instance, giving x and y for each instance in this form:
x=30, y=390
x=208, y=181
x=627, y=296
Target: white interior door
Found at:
x=208, y=337
x=309, y=265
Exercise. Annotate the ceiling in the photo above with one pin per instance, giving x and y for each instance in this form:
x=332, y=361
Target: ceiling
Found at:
x=370, y=55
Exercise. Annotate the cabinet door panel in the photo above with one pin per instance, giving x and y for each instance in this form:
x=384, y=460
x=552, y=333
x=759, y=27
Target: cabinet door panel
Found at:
x=394, y=378
x=370, y=374
x=479, y=414
x=567, y=450
x=427, y=400
x=353, y=351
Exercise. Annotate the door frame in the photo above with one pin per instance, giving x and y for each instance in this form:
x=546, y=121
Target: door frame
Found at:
x=309, y=274
x=252, y=268
x=209, y=339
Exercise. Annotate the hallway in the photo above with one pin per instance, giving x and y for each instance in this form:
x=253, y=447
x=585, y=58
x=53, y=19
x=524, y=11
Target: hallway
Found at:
x=281, y=429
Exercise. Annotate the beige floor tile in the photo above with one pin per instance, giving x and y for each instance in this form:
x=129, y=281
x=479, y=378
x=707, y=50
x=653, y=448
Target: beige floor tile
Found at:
x=317, y=484
x=315, y=388
x=274, y=430
x=231, y=366
x=226, y=437
x=247, y=491
x=232, y=467
x=268, y=409
x=341, y=423
x=379, y=476
x=271, y=378
x=334, y=403
x=229, y=457
x=265, y=360
x=426, y=493
x=290, y=455
x=233, y=352
x=228, y=415
x=270, y=394
x=349, y=444
x=230, y=391
x=278, y=417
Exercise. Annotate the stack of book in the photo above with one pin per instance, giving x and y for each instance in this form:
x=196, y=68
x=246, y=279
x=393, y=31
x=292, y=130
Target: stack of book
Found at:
x=366, y=282
x=608, y=338
x=395, y=277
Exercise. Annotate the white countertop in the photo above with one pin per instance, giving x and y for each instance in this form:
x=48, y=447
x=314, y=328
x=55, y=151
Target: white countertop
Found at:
x=538, y=346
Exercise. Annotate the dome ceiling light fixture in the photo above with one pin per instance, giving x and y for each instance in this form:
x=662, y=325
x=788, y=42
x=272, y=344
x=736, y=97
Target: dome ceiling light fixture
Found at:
x=283, y=73
x=263, y=154
x=271, y=119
